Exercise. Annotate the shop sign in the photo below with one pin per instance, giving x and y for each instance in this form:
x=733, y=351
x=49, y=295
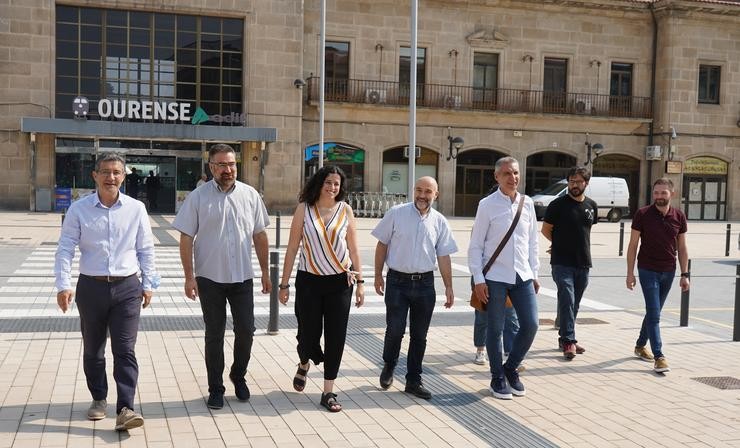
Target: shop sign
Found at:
x=335, y=152
x=705, y=165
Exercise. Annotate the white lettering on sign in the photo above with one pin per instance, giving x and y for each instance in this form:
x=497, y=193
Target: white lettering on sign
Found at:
x=143, y=110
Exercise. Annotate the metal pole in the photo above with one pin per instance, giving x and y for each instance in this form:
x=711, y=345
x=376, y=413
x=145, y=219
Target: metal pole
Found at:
x=272, y=326
x=727, y=240
x=412, y=100
x=277, y=231
x=684, y=318
x=736, y=324
x=621, y=238
x=322, y=81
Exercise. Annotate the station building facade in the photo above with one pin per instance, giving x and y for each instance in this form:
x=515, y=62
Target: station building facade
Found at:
x=645, y=88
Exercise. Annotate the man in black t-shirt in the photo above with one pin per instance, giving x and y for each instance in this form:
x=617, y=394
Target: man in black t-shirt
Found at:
x=568, y=222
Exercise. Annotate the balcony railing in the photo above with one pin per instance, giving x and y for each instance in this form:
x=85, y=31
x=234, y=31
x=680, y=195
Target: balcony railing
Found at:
x=440, y=96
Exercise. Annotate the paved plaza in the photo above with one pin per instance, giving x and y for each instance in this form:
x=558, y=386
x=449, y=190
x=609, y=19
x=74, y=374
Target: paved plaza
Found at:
x=605, y=397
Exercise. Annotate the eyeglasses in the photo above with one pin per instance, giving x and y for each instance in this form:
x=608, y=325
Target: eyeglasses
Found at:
x=106, y=173
x=576, y=182
x=224, y=165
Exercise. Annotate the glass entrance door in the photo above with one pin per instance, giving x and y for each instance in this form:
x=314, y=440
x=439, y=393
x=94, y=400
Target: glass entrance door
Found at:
x=156, y=181
x=704, y=197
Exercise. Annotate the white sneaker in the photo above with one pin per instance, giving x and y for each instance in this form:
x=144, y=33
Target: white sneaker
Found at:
x=480, y=358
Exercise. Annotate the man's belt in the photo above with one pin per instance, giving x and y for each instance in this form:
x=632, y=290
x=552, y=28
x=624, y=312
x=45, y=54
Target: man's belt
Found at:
x=108, y=278
x=416, y=276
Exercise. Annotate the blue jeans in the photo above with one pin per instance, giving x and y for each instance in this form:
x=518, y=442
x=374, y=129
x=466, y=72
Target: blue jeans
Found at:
x=511, y=328
x=525, y=303
x=571, y=283
x=655, y=287
x=416, y=299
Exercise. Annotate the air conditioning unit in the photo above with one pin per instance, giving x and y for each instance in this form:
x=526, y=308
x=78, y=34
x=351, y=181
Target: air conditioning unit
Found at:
x=453, y=101
x=582, y=105
x=653, y=152
x=375, y=96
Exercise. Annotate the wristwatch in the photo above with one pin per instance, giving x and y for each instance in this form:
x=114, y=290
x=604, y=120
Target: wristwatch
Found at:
x=685, y=274
x=284, y=286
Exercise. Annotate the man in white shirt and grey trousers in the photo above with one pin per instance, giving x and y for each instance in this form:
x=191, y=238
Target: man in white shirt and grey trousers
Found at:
x=514, y=273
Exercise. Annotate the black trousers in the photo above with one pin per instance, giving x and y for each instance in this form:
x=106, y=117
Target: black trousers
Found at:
x=113, y=307
x=213, y=298
x=322, y=304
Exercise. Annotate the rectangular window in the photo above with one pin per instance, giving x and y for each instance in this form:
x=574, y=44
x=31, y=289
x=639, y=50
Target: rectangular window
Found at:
x=404, y=72
x=709, y=77
x=336, y=58
x=554, y=85
x=134, y=55
x=620, y=90
x=485, y=80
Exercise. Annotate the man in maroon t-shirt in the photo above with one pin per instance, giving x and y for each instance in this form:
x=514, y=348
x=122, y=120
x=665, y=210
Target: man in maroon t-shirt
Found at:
x=662, y=229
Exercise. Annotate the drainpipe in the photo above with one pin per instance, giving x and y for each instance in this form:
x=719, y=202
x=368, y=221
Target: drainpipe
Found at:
x=651, y=125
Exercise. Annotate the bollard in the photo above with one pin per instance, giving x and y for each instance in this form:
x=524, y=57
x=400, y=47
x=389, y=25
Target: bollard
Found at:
x=272, y=326
x=736, y=323
x=684, y=317
x=727, y=240
x=621, y=238
x=277, y=230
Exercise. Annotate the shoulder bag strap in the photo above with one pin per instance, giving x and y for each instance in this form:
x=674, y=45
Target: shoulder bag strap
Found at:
x=506, y=237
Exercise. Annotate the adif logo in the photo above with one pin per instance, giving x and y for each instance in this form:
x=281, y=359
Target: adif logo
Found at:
x=200, y=116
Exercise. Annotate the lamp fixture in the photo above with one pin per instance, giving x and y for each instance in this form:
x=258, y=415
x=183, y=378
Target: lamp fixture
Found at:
x=454, y=142
x=594, y=150
x=299, y=83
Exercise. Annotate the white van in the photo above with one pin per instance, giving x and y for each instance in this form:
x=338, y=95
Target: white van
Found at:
x=610, y=193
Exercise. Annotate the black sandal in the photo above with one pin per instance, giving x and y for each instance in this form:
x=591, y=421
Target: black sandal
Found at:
x=329, y=401
x=300, y=383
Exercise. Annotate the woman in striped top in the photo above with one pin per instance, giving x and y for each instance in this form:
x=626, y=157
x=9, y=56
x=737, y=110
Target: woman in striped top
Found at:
x=323, y=228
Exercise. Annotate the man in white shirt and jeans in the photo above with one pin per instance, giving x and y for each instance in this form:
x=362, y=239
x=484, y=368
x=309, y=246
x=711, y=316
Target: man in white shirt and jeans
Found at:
x=514, y=273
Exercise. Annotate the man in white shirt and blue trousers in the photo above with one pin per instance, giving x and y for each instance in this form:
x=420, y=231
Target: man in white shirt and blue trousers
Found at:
x=115, y=239
x=412, y=238
x=514, y=273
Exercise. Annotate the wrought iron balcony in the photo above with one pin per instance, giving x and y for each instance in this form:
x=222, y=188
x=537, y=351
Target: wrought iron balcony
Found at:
x=389, y=93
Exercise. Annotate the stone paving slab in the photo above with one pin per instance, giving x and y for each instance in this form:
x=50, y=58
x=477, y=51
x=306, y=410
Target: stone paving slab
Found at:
x=605, y=397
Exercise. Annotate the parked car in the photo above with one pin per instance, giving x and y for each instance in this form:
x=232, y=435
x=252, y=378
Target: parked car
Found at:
x=610, y=193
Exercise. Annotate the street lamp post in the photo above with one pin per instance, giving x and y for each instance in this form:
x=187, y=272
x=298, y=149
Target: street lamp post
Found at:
x=592, y=150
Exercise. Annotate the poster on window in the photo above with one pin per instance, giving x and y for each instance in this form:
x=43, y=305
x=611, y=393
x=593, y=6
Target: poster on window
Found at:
x=395, y=176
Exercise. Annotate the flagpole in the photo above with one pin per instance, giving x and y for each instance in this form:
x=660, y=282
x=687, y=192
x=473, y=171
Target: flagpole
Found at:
x=412, y=101
x=322, y=81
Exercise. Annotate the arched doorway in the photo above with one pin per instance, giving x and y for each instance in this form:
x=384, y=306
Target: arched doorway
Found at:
x=347, y=157
x=546, y=168
x=473, y=179
x=396, y=168
x=620, y=165
x=705, y=188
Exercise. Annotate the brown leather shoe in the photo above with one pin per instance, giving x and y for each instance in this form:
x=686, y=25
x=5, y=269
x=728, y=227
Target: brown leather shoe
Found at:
x=569, y=350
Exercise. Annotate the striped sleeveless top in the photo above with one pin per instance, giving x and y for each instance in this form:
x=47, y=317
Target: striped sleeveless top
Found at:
x=324, y=244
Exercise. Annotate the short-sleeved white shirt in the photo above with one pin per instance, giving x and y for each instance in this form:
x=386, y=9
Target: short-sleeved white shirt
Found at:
x=223, y=223
x=414, y=241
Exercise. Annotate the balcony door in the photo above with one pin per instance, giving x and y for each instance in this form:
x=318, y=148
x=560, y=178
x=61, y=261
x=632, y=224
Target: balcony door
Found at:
x=404, y=74
x=337, y=71
x=620, y=90
x=555, y=85
x=485, y=80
